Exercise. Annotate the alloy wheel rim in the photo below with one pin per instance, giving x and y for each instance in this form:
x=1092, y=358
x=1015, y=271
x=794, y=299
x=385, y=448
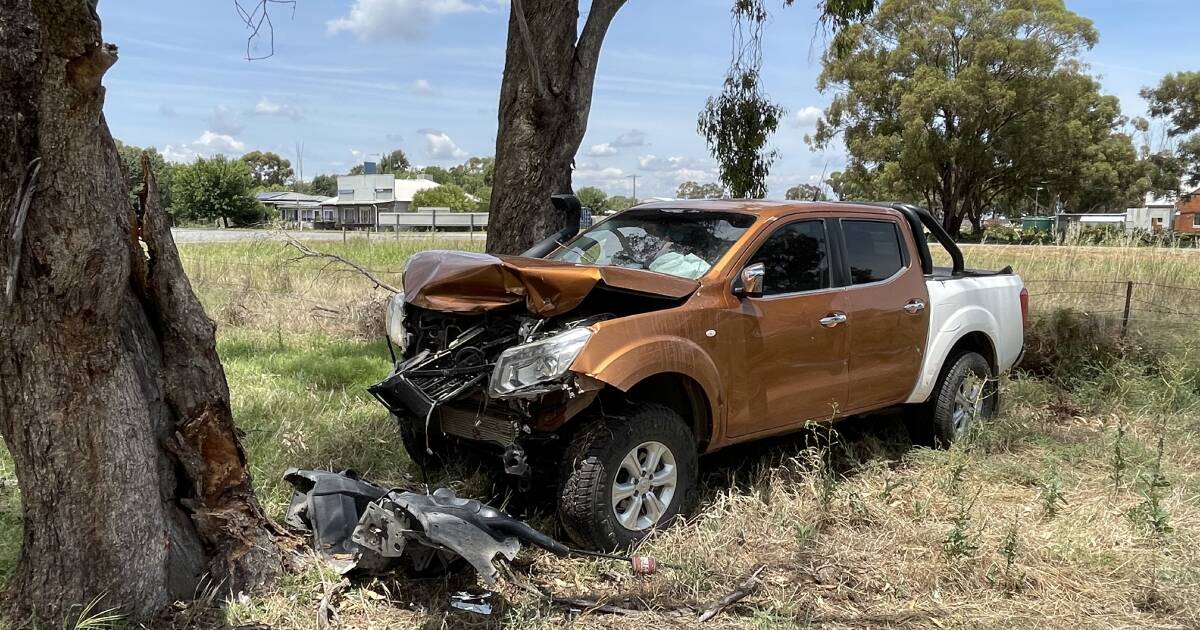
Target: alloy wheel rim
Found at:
x=968, y=401
x=644, y=485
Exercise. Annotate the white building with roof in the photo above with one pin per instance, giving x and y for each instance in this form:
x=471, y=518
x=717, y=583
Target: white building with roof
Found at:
x=361, y=198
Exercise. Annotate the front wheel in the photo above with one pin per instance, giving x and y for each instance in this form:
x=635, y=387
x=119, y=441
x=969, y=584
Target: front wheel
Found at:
x=623, y=477
x=965, y=396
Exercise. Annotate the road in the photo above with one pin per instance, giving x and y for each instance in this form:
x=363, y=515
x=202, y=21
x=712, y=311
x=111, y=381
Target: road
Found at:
x=213, y=235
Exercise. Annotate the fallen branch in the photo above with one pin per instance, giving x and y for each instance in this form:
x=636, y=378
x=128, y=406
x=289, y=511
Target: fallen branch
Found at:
x=741, y=592
x=16, y=228
x=326, y=613
x=308, y=252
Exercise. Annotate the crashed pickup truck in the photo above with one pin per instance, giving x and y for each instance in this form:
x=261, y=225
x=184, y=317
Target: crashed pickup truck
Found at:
x=606, y=366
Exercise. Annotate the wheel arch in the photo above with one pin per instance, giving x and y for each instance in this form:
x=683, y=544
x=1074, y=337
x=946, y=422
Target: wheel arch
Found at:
x=682, y=394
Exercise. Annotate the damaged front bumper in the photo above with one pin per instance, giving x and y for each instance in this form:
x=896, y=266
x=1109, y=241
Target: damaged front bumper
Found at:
x=451, y=390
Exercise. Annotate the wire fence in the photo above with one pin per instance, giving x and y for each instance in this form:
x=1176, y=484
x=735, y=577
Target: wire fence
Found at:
x=1162, y=316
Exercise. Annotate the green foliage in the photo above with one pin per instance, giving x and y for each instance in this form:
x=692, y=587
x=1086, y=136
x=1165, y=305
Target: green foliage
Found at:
x=693, y=190
x=737, y=123
x=963, y=103
x=268, y=169
x=444, y=196
x=1009, y=549
x=131, y=170
x=216, y=188
x=593, y=199
x=395, y=162
x=1117, y=461
x=323, y=185
x=473, y=176
x=621, y=202
x=805, y=192
x=1177, y=99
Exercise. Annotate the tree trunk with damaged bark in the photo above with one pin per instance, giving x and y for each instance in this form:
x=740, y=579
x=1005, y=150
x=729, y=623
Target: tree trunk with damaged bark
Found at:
x=545, y=98
x=113, y=402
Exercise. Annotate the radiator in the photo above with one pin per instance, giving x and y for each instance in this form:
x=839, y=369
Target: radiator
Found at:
x=472, y=425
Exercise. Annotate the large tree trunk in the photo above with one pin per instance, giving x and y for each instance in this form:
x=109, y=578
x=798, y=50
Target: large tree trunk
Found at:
x=113, y=402
x=545, y=98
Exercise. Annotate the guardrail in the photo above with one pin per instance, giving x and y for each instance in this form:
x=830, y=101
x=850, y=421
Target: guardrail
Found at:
x=434, y=218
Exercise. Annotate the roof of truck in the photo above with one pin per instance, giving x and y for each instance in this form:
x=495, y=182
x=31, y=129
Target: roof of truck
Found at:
x=760, y=207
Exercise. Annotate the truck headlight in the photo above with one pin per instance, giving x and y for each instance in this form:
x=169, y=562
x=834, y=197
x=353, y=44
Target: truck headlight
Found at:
x=537, y=362
x=395, y=321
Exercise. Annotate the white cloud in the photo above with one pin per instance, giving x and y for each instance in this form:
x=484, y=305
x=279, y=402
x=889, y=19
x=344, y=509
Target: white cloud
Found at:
x=421, y=87
x=267, y=108
x=604, y=149
x=209, y=143
x=439, y=146
x=807, y=117
x=654, y=163
x=181, y=153
x=219, y=143
x=631, y=138
x=405, y=19
x=224, y=120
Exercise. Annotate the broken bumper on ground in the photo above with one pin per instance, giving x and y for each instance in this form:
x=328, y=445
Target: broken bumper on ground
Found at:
x=361, y=528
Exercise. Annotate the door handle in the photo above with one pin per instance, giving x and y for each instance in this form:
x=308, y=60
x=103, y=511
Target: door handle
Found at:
x=915, y=306
x=833, y=319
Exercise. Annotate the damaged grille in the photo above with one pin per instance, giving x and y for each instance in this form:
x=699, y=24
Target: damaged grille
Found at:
x=451, y=356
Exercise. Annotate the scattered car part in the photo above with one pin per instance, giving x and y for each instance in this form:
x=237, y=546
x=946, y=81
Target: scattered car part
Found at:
x=360, y=527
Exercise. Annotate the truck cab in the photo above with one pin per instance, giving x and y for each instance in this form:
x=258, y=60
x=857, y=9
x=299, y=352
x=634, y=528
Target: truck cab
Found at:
x=677, y=328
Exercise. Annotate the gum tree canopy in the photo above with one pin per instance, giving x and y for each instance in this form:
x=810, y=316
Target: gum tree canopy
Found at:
x=957, y=103
x=113, y=402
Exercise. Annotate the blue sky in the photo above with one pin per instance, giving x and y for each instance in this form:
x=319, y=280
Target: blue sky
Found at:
x=355, y=77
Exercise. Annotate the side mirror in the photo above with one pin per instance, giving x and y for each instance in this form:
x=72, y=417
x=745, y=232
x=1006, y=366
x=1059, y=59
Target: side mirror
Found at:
x=750, y=281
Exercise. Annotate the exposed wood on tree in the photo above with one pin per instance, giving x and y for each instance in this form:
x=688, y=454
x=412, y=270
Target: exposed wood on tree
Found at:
x=113, y=402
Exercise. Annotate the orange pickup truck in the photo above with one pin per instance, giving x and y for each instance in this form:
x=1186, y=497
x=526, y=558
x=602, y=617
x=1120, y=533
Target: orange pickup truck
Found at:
x=606, y=365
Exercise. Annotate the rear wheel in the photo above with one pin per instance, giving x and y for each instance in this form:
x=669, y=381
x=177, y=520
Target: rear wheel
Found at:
x=624, y=477
x=965, y=396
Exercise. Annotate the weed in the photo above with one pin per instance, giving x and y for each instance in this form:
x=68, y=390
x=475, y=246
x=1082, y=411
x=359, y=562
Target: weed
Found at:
x=1116, y=462
x=959, y=543
x=1150, y=513
x=1008, y=550
x=1051, y=493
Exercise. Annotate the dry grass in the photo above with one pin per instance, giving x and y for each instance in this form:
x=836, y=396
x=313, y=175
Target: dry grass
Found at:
x=859, y=529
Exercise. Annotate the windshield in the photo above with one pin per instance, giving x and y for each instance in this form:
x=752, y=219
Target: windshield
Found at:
x=684, y=243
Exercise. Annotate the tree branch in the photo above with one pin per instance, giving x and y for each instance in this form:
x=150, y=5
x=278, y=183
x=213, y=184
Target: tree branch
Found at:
x=307, y=252
x=16, y=228
x=535, y=66
x=587, y=51
x=741, y=592
x=255, y=18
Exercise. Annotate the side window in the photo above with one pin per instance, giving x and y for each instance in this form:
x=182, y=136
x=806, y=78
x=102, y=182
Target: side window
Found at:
x=795, y=258
x=872, y=250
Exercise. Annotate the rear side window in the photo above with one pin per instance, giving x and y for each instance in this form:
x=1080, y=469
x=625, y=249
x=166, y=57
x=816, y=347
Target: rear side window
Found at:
x=872, y=250
x=795, y=258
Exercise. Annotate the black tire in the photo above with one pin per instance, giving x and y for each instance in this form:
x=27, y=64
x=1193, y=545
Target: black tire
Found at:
x=592, y=463
x=957, y=378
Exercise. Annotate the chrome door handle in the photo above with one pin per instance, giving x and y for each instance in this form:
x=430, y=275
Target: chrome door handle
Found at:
x=915, y=306
x=829, y=321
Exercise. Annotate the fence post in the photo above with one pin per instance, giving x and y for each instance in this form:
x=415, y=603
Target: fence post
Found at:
x=471, y=230
x=1128, y=306
x=343, y=235
x=433, y=220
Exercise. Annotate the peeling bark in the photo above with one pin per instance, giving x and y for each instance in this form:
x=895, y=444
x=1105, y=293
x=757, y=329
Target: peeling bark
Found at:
x=113, y=402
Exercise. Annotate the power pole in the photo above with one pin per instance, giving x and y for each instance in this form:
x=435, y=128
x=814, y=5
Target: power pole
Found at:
x=634, y=178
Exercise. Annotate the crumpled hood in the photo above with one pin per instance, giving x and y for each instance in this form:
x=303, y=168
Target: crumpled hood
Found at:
x=464, y=282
